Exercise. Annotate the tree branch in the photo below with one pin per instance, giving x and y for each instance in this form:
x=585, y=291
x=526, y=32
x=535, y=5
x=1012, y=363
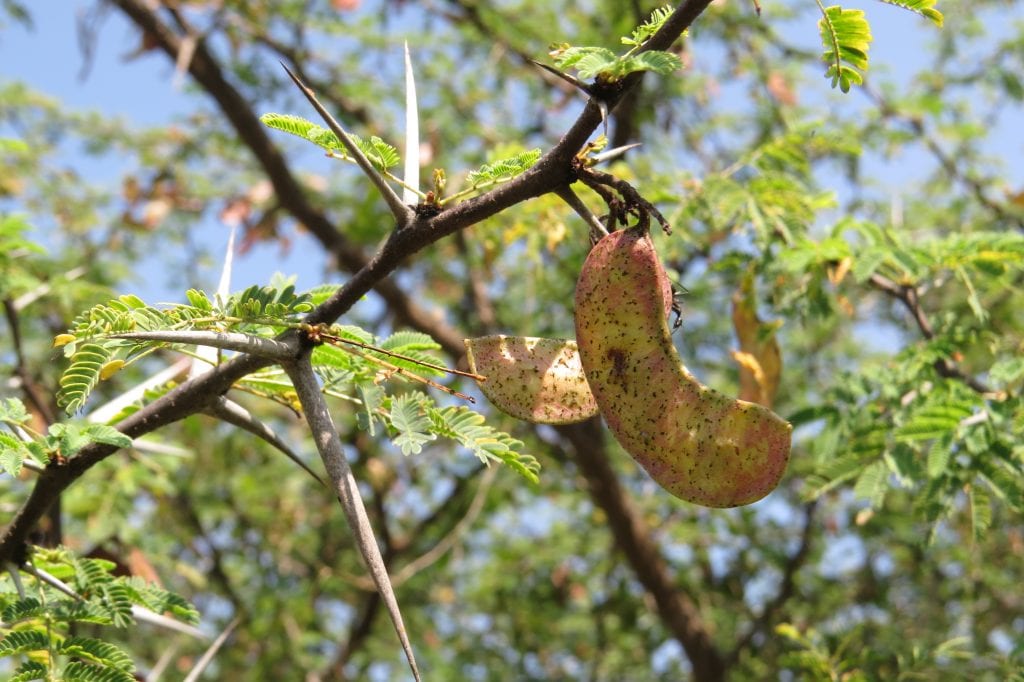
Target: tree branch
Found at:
x=786, y=588
x=907, y=295
x=679, y=612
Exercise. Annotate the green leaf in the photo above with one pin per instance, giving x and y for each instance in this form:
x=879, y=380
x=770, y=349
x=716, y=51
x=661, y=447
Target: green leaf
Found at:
x=65, y=438
x=467, y=428
x=647, y=29
x=938, y=459
x=82, y=376
x=1007, y=371
x=13, y=411
x=78, y=671
x=160, y=600
x=872, y=483
x=934, y=421
x=926, y=8
x=22, y=609
x=981, y=511
x=29, y=671
x=294, y=125
x=98, y=652
x=652, y=60
x=12, y=454
x=572, y=56
x=409, y=419
x=405, y=341
x=198, y=299
x=108, y=435
x=22, y=641
x=503, y=170
x=846, y=37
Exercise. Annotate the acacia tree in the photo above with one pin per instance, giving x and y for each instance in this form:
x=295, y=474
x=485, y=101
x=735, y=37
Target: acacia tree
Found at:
x=905, y=477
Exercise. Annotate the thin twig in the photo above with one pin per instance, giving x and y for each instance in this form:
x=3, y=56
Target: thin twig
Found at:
x=786, y=588
x=365, y=346
x=140, y=613
x=243, y=343
x=908, y=296
x=233, y=413
x=32, y=391
x=445, y=544
x=211, y=651
x=597, y=229
x=329, y=445
x=412, y=376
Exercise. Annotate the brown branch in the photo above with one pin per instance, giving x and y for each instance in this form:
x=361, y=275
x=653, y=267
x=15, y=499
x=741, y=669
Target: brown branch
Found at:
x=908, y=296
x=678, y=611
x=357, y=634
x=786, y=588
x=32, y=391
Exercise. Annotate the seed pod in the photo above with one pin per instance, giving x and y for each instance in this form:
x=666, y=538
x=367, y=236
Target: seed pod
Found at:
x=698, y=444
x=534, y=379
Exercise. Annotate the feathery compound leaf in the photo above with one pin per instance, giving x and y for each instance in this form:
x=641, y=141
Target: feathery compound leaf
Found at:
x=405, y=341
x=84, y=672
x=467, y=427
x=13, y=411
x=981, y=511
x=288, y=123
x=379, y=152
x=159, y=600
x=570, y=57
x=22, y=609
x=846, y=37
x=82, y=376
x=21, y=641
x=503, y=170
x=647, y=29
x=408, y=417
x=926, y=8
x=656, y=61
x=97, y=652
x=29, y=671
x=12, y=455
x=872, y=483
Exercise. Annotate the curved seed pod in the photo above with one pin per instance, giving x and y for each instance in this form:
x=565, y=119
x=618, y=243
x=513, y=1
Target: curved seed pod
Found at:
x=538, y=380
x=698, y=444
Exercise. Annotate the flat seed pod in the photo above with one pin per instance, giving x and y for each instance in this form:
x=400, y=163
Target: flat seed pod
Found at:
x=534, y=379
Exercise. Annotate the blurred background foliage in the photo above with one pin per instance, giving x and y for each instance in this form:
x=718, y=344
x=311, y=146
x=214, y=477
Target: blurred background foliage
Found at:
x=882, y=233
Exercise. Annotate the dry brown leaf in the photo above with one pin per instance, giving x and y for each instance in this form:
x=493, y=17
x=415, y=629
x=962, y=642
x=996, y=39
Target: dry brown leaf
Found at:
x=759, y=358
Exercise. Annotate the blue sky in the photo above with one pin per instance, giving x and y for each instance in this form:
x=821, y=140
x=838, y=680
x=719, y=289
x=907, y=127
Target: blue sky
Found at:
x=142, y=90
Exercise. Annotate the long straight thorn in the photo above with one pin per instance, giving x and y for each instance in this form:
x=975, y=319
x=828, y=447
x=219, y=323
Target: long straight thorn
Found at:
x=410, y=193
x=572, y=80
x=402, y=213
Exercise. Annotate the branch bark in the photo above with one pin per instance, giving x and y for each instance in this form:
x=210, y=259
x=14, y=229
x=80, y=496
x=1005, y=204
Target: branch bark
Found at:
x=677, y=610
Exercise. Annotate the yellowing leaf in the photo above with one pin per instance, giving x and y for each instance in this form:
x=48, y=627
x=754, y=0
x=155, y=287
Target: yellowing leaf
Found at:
x=110, y=369
x=63, y=340
x=759, y=358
